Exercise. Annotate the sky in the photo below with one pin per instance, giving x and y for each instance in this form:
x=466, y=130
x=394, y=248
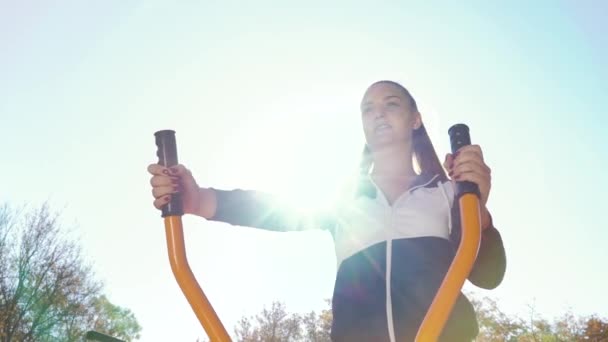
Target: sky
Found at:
x=265, y=96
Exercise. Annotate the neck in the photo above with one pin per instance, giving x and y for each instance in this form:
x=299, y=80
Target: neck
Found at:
x=394, y=161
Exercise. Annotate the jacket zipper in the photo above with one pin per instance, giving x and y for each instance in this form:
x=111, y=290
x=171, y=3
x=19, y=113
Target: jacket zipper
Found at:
x=389, y=267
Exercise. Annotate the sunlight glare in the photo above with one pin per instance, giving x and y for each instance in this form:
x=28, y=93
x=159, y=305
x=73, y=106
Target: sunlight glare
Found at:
x=310, y=151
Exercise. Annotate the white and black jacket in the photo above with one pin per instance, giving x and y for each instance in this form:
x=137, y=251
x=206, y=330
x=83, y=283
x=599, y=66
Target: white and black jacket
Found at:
x=411, y=242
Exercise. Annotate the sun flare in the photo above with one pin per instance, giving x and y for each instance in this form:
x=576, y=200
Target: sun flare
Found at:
x=306, y=160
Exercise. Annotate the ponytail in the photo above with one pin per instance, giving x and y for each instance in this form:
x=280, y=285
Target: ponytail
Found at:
x=366, y=161
x=425, y=156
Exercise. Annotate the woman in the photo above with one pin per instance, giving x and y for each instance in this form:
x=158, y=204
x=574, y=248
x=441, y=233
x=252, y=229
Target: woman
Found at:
x=400, y=225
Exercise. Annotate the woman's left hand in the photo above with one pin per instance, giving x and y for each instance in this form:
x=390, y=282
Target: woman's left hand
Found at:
x=468, y=165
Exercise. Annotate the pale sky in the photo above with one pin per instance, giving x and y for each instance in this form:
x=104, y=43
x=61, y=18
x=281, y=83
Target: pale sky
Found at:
x=265, y=96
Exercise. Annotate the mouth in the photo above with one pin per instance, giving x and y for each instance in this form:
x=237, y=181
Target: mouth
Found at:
x=382, y=128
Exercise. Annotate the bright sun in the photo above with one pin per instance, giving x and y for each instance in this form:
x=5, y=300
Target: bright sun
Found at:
x=307, y=158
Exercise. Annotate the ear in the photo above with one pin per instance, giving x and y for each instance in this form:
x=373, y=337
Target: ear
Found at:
x=417, y=122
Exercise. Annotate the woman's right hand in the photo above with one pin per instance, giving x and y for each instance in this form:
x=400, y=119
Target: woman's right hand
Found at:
x=167, y=181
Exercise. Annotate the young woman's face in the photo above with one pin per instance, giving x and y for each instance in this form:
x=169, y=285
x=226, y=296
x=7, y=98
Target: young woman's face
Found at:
x=386, y=116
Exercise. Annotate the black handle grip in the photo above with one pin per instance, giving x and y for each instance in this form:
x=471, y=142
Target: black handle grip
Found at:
x=459, y=137
x=167, y=157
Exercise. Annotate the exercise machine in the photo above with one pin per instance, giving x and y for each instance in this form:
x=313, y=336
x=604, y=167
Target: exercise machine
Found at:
x=467, y=194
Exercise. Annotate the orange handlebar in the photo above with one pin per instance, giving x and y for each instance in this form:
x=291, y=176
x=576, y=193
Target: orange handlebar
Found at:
x=467, y=194
x=187, y=282
x=172, y=212
x=459, y=270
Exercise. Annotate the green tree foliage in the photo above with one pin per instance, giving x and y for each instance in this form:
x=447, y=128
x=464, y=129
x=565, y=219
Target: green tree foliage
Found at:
x=113, y=320
x=47, y=291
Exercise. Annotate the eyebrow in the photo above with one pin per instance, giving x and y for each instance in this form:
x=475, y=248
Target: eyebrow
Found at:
x=386, y=98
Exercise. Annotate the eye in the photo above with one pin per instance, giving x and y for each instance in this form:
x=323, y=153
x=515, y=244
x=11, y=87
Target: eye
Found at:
x=392, y=104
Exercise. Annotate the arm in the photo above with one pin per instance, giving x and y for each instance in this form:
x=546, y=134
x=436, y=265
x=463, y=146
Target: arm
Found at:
x=469, y=165
x=257, y=209
x=490, y=265
x=237, y=207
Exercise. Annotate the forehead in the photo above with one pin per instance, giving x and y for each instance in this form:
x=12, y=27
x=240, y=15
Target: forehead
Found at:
x=380, y=91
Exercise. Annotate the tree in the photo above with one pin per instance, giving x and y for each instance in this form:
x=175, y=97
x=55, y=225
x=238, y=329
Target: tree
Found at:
x=113, y=320
x=596, y=329
x=495, y=325
x=47, y=291
x=317, y=327
x=277, y=325
x=272, y=325
x=569, y=327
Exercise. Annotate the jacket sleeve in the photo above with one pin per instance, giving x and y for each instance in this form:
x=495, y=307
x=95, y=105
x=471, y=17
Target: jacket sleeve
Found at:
x=262, y=210
x=490, y=265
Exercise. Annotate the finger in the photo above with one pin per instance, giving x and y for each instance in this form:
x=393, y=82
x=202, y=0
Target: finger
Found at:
x=157, y=181
x=470, y=166
x=160, y=202
x=471, y=157
x=480, y=179
x=468, y=149
x=185, y=176
x=482, y=182
x=161, y=191
x=449, y=162
x=157, y=169
x=179, y=170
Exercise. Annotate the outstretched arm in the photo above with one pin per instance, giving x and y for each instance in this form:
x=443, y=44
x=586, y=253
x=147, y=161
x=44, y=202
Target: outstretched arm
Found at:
x=258, y=209
x=237, y=207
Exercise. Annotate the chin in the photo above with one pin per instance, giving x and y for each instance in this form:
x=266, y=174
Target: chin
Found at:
x=379, y=144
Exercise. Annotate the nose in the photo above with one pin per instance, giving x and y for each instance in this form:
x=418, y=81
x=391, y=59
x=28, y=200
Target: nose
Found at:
x=379, y=114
